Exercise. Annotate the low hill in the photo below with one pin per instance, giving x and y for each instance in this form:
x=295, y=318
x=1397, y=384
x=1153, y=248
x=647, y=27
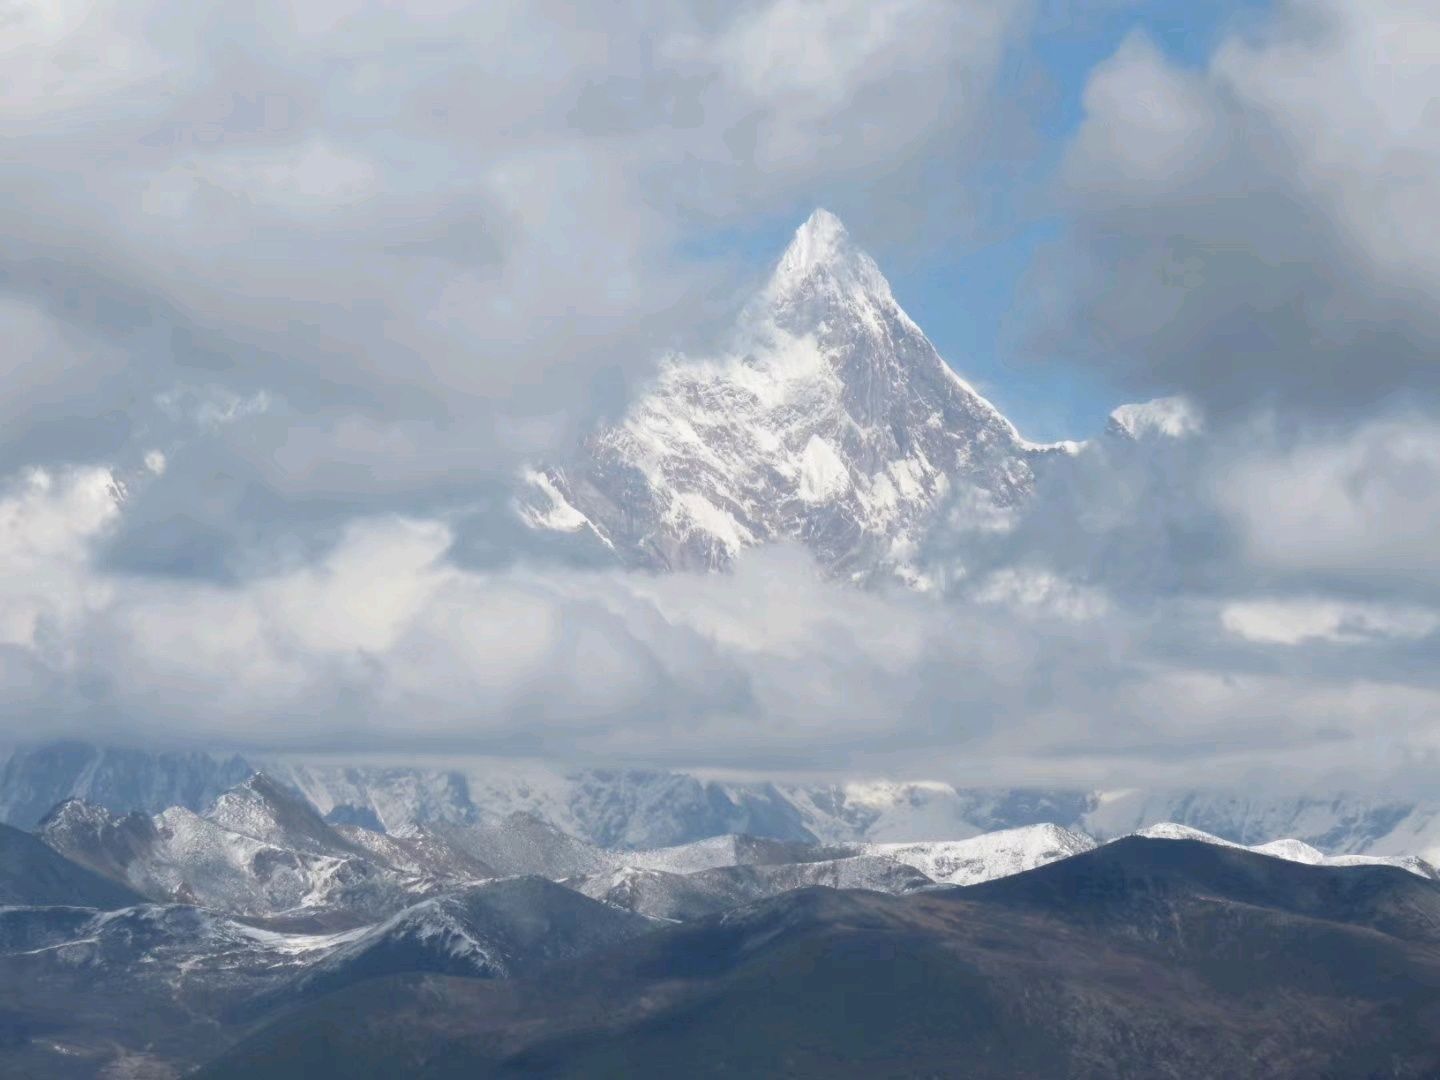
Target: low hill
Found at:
x=1139, y=959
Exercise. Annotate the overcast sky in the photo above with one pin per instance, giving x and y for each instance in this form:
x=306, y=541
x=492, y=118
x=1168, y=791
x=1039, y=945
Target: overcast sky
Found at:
x=290, y=292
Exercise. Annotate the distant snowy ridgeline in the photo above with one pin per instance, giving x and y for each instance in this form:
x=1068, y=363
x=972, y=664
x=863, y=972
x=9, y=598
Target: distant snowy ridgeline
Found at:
x=640, y=808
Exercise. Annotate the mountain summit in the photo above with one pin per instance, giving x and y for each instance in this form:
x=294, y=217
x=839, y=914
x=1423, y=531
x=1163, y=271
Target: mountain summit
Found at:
x=820, y=257
x=830, y=420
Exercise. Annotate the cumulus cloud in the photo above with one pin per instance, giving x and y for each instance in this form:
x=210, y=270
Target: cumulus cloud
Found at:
x=382, y=642
x=1249, y=232
x=1254, y=232
x=48, y=524
x=351, y=256
x=370, y=209
x=1291, y=621
x=1357, y=506
x=316, y=281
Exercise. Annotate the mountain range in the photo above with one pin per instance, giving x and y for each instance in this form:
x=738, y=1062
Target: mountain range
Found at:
x=167, y=911
x=632, y=808
x=1140, y=958
x=138, y=944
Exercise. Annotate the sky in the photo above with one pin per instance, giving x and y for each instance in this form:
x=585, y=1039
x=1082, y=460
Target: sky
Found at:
x=289, y=297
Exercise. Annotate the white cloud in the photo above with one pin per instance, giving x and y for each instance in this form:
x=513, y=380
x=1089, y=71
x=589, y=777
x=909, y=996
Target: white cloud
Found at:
x=1043, y=593
x=1349, y=86
x=374, y=198
x=1148, y=124
x=61, y=57
x=210, y=406
x=49, y=523
x=850, y=80
x=44, y=362
x=1360, y=504
x=312, y=177
x=1293, y=621
x=1256, y=231
x=1173, y=417
x=352, y=250
x=383, y=642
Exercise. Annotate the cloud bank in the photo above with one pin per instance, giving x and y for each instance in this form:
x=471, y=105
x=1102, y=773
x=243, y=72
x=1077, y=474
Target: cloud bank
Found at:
x=423, y=231
x=384, y=643
x=287, y=301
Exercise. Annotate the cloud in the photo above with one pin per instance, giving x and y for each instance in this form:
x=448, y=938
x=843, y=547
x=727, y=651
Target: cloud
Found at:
x=1356, y=505
x=851, y=81
x=369, y=209
x=314, y=282
x=48, y=524
x=349, y=257
x=1253, y=232
x=1043, y=593
x=1126, y=520
x=382, y=642
x=1292, y=621
x=211, y=406
x=1249, y=232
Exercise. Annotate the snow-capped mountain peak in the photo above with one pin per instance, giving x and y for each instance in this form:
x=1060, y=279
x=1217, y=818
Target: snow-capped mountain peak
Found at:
x=267, y=811
x=823, y=260
x=820, y=242
x=829, y=419
x=1171, y=830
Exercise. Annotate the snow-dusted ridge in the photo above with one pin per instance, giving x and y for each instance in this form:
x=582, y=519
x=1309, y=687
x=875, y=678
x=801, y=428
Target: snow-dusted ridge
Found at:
x=679, y=896
x=988, y=856
x=259, y=850
x=1292, y=850
x=1170, y=830
x=295, y=906
x=647, y=808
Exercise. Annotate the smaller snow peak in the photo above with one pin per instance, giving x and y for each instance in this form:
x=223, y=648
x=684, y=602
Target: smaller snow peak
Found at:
x=546, y=507
x=75, y=811
x=266, y=810
x=989, y=855
x=261, y=786
x=1171, y=830
x=260, y=783
x=1292, y=850
x=1170, y=417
